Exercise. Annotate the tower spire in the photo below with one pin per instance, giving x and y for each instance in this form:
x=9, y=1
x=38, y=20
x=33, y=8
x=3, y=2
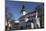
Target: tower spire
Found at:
x=23, y=7
x=23, y=11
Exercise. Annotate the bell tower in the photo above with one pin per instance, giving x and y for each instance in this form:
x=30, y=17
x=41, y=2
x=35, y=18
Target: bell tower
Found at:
x=23, y=11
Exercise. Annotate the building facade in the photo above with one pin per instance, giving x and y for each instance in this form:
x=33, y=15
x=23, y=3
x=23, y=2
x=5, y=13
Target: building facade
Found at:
x=31, y=20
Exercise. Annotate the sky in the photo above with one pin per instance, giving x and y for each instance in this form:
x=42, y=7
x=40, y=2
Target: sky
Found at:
x=15, y=7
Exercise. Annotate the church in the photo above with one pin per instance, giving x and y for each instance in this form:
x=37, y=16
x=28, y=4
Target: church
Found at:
x=29, y=20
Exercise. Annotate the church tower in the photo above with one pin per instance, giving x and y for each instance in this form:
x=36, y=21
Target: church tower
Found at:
x=23, y=11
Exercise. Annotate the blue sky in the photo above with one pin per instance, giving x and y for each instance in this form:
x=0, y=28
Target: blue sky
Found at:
x=15, y=7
